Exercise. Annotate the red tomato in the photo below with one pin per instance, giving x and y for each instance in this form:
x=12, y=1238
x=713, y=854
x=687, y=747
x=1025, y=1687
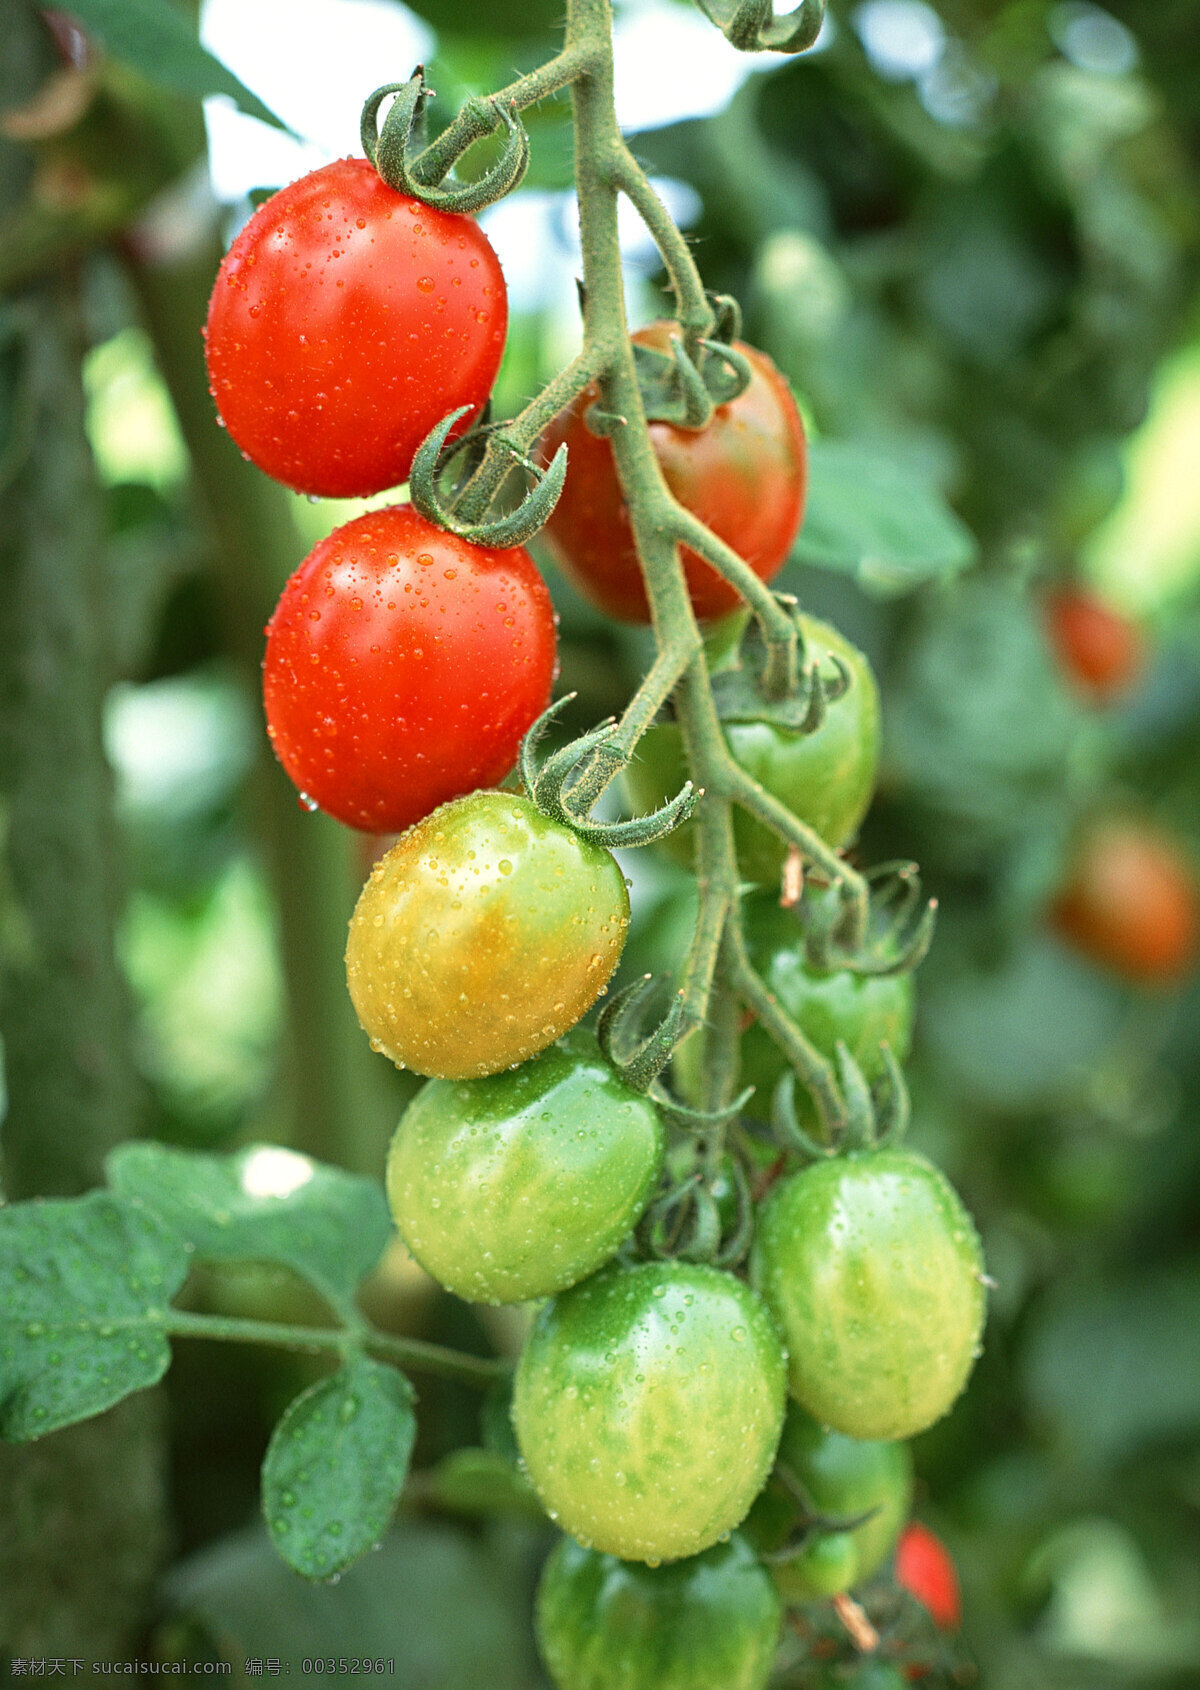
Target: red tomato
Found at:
x=744, y=475
x=1132, y=902
x=925, y=1570
x=403, y=667
x=1100, y=650
x=346, y=320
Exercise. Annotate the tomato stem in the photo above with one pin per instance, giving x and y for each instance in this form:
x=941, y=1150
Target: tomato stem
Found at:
x=407, y=1352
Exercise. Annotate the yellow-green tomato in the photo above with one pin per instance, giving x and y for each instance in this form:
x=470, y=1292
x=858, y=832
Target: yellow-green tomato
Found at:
x=873, y=1270
x=842, y=1479
x=647, y=1407
x=519, y=1185
x=482, y=936
x=708, y=1623
x=825, y=778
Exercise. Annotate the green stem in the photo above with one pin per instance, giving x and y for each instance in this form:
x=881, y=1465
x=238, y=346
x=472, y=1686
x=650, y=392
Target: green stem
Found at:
x=416, y=1353
x=476, y=119
x=695, y=313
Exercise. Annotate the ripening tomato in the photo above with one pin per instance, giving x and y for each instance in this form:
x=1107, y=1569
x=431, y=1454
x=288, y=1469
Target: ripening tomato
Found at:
x=403, y=667
x=1100, y=650
x=519, y=1185
x=482, y=936
x=1131, y=902
x=825, y=778
x=744, y=476
x=872, y=1267
x=842, y=1478
x=647, y=1407
x=347, y=319
x=924, y=1568
x=708, y=1623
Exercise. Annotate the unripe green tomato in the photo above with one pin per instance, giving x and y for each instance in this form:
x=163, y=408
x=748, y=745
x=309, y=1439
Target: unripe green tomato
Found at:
x=863, y=1010
x=824, y=778
x=648, y=1404
x=710, y=1622
x=843, y=1478
x=519, y=1185
x=484, y=934
x=873, y=1270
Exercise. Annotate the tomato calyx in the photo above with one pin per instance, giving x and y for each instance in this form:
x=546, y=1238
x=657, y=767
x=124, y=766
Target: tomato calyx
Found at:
x=854, y=1115
x=752, y=26
x=899, y=928
x=432, y=458
x=704, y=1214
x=571, y=779
x=422, y=177
x=745, y=689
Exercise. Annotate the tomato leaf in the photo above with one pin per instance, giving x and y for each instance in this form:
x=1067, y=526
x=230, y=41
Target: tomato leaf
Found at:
x=336, y=1465
x=155, y=38
x=87, y=1283
x=869, y=517
x=263, y=1204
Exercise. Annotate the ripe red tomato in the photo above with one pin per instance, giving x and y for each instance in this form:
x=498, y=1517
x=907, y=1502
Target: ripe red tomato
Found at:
x=484, y=933
x=1100, y=650
x=403, y=667
x=745, y=476
x=1132, y=902
x=347, y=320
x=924, y=1568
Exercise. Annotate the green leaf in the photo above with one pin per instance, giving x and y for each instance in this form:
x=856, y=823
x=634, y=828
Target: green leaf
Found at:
x=87, y=1283
x=336, y=1465
x=155, y=37
x=867, y=516
x=263, y=1204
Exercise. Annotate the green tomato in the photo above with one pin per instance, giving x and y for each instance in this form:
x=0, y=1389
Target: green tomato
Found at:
x=648, y=1405
x=872, y=1268
x=708, y=1623
x=825, y=778
x=863, y=1010
x=482, y=936
x=842, y=1478
x=519, y=1185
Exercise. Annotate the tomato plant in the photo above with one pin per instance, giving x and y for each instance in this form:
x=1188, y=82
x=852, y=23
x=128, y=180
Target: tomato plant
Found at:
x=1100, y=650
x=825, y=778
x=482, y=936
x=924, y=1568
x=744, y=475
x=1131, y=902
x=872, y=1268
x=621, y=1393
x=519, y=1185
x=710, y=1622
x=346, y=321
x=403, y=666
x=841, y=1479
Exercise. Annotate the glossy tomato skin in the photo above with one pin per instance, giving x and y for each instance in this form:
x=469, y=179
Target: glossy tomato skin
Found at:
x=403, y=667
x=862, y=1010
x=520, y=1185
x=1131, y=902
x=482, y=936
x=825, y=778
x=1100, y=650
x=843, y=1478
x=873, y=1270
x=925, y=1570
x=647, y=1408
x=346, y=320
x=744, y=476
x=710, y=1622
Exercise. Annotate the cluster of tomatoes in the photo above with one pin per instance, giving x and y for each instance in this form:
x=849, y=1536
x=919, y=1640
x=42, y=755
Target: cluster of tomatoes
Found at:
x=659, y=1404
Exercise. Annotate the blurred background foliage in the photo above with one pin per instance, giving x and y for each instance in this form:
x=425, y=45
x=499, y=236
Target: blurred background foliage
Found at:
x=968, y=232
